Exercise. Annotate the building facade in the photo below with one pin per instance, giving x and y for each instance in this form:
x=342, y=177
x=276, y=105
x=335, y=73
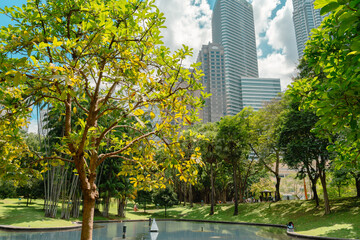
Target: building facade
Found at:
x=257, y=91
x=233, y=28
x=305, y=18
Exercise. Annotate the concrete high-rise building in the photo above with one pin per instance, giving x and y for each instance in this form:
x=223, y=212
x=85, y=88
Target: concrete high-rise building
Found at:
x=233, y=28
x=257, y=91
x=305, y=18
x=212, y=58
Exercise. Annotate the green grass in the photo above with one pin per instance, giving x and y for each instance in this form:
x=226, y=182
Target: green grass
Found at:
x=344, y=221
x=14, y=212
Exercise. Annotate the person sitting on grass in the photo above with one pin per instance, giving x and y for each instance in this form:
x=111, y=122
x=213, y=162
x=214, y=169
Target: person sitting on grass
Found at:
x=290, y=227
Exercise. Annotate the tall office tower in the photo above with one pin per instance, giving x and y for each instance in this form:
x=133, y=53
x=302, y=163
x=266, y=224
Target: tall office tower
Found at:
x=212, y=58
x=257, y=91
x=233, y=28
x=305, y=18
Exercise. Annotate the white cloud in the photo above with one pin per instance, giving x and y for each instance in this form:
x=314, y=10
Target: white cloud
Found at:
x=262, y=14
x=277, y=65
x=188, y=22
x=280, y=35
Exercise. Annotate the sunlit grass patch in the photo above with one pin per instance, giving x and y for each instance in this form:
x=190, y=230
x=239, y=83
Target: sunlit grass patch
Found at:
x=325, y=230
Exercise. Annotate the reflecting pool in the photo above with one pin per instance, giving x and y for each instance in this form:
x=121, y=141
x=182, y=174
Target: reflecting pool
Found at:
x=168, y=230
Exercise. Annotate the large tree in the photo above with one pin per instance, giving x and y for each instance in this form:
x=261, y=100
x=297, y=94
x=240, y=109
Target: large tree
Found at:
x=304, y=150
x=265, y=132
x=100, y=57
x=330, y=84
x=209, y=155
x=232, y=139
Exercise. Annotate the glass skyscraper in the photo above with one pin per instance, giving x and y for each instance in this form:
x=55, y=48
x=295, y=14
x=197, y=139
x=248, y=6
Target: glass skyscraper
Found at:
x=305, y=18
x=233, y=28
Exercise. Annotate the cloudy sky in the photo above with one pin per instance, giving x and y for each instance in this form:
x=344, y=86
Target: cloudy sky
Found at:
x=189, y=22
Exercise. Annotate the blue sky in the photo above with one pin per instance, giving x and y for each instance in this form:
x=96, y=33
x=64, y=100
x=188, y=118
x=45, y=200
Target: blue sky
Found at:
x=3, y=3
x=189, y=22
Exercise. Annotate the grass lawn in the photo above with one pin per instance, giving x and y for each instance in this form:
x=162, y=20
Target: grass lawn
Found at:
x=344, y=221
x=14, y=212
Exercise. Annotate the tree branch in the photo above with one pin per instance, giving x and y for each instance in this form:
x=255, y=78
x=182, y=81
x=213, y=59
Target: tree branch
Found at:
x=102, y=157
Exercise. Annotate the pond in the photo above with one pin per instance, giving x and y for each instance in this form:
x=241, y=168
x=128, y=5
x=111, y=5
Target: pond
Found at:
x=168, y=230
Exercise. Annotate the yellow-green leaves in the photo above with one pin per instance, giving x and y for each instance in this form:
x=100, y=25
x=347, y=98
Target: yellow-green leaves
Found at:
x=56, y=43
x=11, y=72
x=138, y=112
x=322, y=3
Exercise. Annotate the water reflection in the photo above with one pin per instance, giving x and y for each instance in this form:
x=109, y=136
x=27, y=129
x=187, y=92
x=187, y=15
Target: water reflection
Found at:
x=167, y=230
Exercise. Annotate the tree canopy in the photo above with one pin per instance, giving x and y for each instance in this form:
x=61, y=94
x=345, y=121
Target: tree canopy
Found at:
x=330, y=86
x=97, y=58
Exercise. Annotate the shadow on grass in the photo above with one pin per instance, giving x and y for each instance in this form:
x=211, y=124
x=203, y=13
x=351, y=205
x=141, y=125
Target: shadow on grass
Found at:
x=169, y=214
x=20, y=214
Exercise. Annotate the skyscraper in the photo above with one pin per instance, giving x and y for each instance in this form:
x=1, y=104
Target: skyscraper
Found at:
x=233, y=28
x=305, y=18
x=212, y=58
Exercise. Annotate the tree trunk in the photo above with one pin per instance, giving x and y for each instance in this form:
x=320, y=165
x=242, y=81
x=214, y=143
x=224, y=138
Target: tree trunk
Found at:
x=106, y=206
x=313, y=186
x=191, y=196
x=185, y=187
x=241, y=191
x=357, y=183
x=88, y=214
x=212, y=190
x=223, y=195
x=316, y=196
x=121, y=207
x=326, y=197
x=236, y=209
x=277, y=188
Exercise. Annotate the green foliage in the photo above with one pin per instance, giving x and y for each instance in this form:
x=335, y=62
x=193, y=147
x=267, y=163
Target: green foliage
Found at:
x=31, y=190
x=340, y=183
x=233, y=136
x=330, y=83
x=261, y=185
x=143, y=197
x=7, y=189
x=301, y=146
x=165, y=197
